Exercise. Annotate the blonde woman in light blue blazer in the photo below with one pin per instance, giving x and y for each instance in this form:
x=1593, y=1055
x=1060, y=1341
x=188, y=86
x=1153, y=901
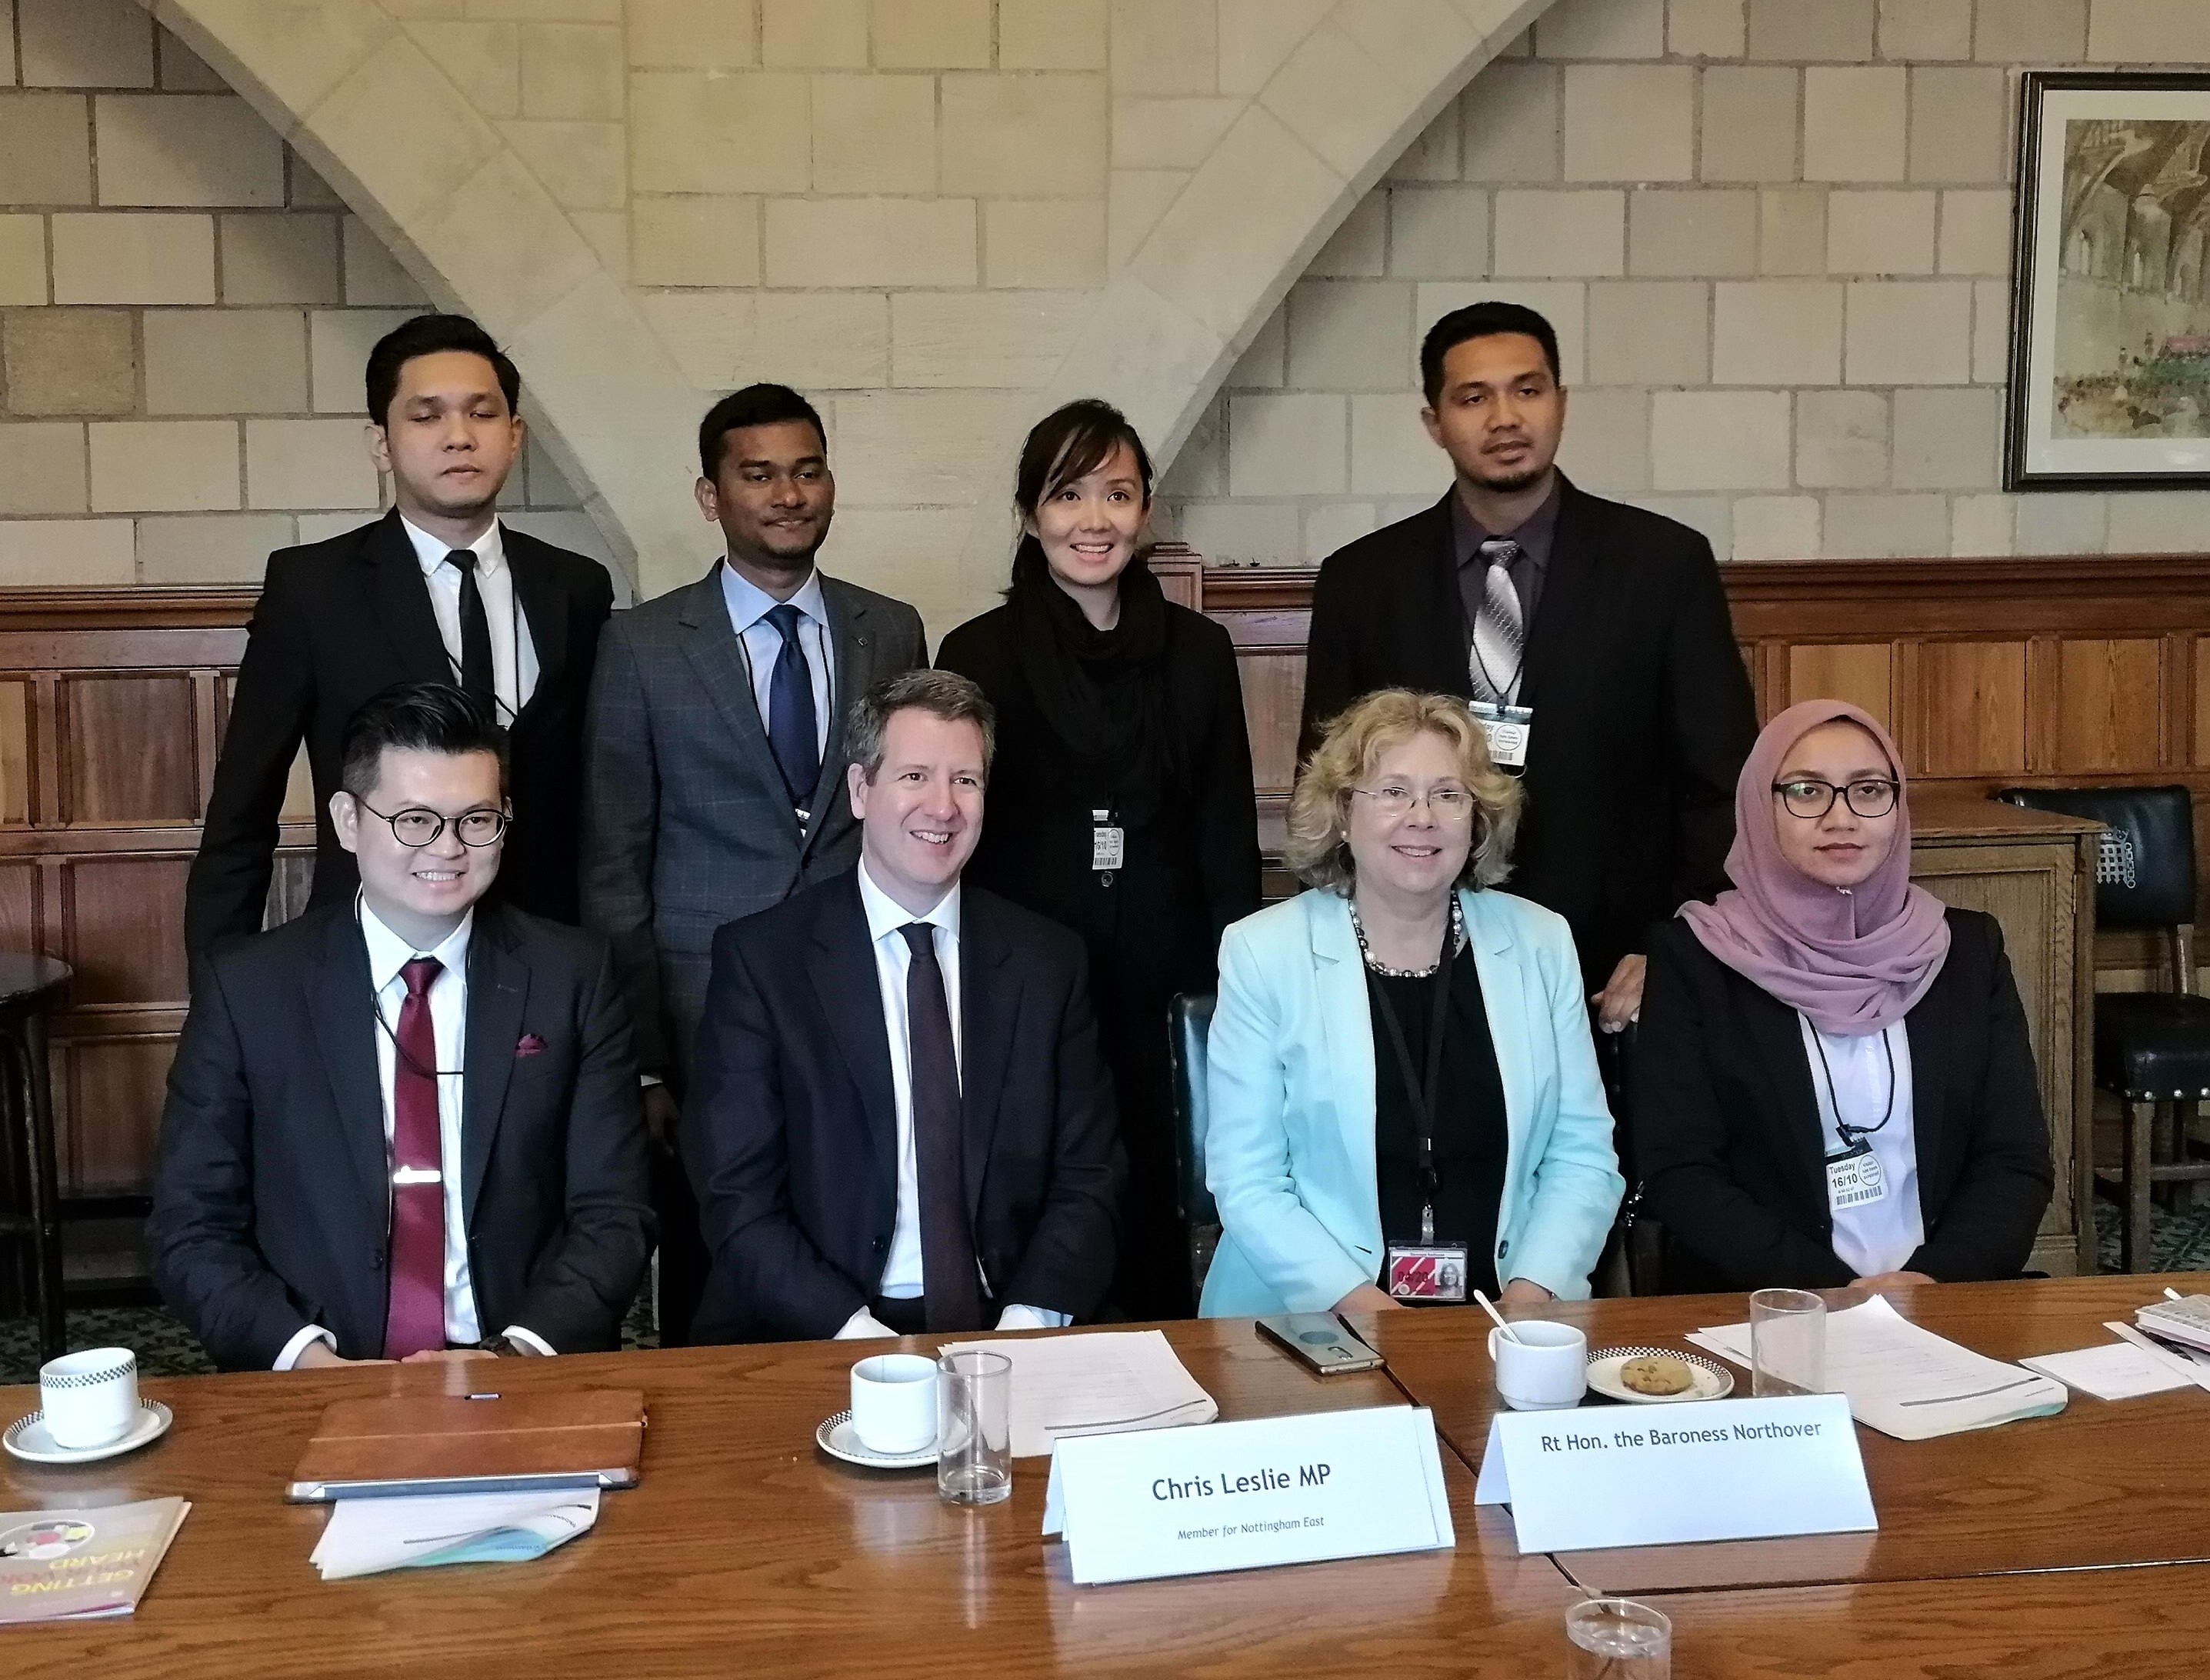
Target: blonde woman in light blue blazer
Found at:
x=1402, y=827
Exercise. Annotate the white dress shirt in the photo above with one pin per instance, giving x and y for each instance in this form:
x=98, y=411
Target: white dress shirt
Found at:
x=388, y=955
x=513, y=654
x=901, y=1270
x=1879, y=1236
x=749, y=606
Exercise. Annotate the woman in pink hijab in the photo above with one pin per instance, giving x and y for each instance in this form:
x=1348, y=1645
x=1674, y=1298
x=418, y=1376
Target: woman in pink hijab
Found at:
x=1832, y=1078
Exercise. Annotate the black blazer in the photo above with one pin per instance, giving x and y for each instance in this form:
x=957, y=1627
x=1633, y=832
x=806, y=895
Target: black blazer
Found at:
x=791, y=1132
x=1153, y=928
x=1727, y=1133
x=272, y=1199
x=1643, y=712
x=337, y=622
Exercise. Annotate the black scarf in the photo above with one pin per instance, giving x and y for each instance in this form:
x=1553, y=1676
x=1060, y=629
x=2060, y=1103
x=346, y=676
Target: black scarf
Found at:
x=1101, y=692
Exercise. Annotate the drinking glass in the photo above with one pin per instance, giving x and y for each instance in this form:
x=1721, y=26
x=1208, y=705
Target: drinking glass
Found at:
x=1787, y=1343
x=975, y=1426
x=1616, y=1638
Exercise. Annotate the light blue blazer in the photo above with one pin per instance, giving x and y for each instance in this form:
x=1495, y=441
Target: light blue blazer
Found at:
x=1288, y=1150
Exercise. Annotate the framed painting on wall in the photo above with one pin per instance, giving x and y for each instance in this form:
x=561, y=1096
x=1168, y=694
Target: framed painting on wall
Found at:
x=2110, y=365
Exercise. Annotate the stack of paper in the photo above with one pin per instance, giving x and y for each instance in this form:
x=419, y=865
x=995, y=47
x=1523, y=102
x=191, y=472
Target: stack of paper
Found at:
x=365, y=1536
x=1106, y=1383
x=1906, y=1381
x=2114, y=1371
x=64, y=1565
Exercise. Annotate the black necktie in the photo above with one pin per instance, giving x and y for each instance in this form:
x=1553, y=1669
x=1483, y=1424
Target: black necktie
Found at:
x=475, y=629
x=951, y=1288
x=790, y=722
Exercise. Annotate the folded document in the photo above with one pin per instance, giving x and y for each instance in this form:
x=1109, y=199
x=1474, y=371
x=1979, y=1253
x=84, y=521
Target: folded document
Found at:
x=1906, y=1381
x=1100, y=1382
x=366, y=1536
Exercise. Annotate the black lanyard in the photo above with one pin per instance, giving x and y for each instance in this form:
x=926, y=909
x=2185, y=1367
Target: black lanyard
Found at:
x=1422, y=1094
x=1852, y=1136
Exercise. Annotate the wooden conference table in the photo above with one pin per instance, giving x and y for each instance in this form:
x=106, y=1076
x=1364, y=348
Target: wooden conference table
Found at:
x=2014, y=1552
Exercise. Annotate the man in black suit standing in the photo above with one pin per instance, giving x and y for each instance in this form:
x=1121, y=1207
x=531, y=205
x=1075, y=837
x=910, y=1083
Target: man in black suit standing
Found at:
x=437, y=590
x=1592, y=638
x=405, y=1123
x=898, y=1119
x=715, y=755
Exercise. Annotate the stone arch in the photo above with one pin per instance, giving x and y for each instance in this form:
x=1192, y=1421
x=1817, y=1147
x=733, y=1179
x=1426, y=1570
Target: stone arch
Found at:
x=1354, y=83
x=452, y=200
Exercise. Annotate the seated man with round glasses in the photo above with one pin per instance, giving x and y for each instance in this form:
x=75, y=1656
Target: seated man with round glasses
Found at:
x=1833, y=1082
x=405, y=1125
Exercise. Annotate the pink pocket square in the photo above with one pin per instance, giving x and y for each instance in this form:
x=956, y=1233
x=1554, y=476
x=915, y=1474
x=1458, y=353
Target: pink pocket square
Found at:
x=530, y=1044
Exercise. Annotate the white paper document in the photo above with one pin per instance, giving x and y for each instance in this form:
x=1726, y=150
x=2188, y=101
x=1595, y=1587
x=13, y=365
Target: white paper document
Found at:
x=1102, y=1382
x=1906, y=1381
x=365, y=1536
x=2114, y=1371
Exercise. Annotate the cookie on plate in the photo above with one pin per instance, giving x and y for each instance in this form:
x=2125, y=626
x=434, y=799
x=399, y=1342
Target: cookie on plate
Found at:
x=1657, y=1374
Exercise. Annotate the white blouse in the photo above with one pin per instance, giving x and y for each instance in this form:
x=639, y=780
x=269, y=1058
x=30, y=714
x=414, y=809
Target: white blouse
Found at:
x=1851, y=1078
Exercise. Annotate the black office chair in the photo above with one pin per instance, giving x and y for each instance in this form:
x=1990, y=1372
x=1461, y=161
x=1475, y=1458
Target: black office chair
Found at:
x=1189, y=1021
x=2151, y=1049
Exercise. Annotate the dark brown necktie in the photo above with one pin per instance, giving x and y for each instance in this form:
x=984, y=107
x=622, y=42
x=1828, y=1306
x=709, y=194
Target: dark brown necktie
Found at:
x=951, y=1288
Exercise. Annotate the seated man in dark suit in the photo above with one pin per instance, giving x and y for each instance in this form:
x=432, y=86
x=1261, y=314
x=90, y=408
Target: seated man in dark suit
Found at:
x=899, y=1121
x=405, y=1123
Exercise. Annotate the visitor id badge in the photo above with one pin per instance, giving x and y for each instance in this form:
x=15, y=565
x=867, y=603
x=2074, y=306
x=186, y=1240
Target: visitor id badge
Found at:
x=1854, y=1178
x=1107, y=841
x=1436, y=1272
x=1509, y=729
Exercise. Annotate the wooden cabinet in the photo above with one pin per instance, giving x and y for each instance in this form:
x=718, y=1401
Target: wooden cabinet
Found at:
x=2034, y=873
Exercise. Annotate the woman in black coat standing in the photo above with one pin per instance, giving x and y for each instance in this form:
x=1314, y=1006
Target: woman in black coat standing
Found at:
x=1120, y=803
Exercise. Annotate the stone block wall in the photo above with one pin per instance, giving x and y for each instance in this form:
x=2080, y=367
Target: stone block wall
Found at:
x=184, y=312
x=1774, y=236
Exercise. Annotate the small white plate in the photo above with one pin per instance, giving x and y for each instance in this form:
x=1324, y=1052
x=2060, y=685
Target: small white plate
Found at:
x=1711, y=1381
x=26, y=1438
x=839, y=1440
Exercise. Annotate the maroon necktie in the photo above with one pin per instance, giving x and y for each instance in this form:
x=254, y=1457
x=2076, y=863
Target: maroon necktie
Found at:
x=417, y=1319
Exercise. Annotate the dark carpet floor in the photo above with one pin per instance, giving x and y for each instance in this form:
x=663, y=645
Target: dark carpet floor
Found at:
x=2177, y=1242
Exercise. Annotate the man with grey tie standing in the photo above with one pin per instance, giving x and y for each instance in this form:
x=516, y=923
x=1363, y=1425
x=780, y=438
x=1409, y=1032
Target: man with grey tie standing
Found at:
x=715, y=755
x=1591, y=636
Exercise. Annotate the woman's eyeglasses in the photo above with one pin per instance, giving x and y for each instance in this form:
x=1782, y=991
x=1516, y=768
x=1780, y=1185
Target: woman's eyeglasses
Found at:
x=1869, y=797
x=1393, y=800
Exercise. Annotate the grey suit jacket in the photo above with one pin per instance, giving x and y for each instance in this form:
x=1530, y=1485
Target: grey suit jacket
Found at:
x=686, y=824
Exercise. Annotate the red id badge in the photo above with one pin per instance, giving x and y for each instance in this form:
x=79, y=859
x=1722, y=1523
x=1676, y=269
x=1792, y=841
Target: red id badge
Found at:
x=1433, y=1273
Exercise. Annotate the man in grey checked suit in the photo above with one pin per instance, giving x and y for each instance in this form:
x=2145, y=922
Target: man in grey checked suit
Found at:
x=714, y=756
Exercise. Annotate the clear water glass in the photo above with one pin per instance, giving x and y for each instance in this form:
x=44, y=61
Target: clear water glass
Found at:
x=975, y=1426
x=1787, y=1343
x=1616, y=1638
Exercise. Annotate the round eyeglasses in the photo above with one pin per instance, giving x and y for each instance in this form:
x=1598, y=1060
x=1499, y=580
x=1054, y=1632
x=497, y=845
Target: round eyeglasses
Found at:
x=1393, y=800
x=1869, y=797
x=415, y=827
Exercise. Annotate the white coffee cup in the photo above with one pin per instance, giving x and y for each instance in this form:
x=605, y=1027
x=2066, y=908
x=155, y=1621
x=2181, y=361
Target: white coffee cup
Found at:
x=1545, y=1370
x=89, y=1399
x=894, y=1403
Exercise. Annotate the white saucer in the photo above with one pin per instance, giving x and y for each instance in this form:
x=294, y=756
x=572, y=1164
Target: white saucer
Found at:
x=1711, y=1381
x=26, y=1438
x=839, y=1440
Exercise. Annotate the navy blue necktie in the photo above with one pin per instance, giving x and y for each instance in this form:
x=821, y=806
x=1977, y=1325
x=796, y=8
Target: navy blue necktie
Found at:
x=950, y=1286
x=790, y=723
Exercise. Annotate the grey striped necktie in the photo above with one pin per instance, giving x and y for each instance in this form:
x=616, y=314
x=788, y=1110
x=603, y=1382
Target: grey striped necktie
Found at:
x=1499, y=638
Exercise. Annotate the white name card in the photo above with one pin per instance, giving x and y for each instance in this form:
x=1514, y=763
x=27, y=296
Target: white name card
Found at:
x=1249, y=1495
x=1646, y=1475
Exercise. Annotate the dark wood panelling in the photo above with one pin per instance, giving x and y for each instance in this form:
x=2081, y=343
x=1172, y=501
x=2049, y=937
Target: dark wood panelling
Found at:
x=2108, y=711
x=108, y=1097
x=125, y=917
x=112, y=704
x=1971, y=709
x=131, y=750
